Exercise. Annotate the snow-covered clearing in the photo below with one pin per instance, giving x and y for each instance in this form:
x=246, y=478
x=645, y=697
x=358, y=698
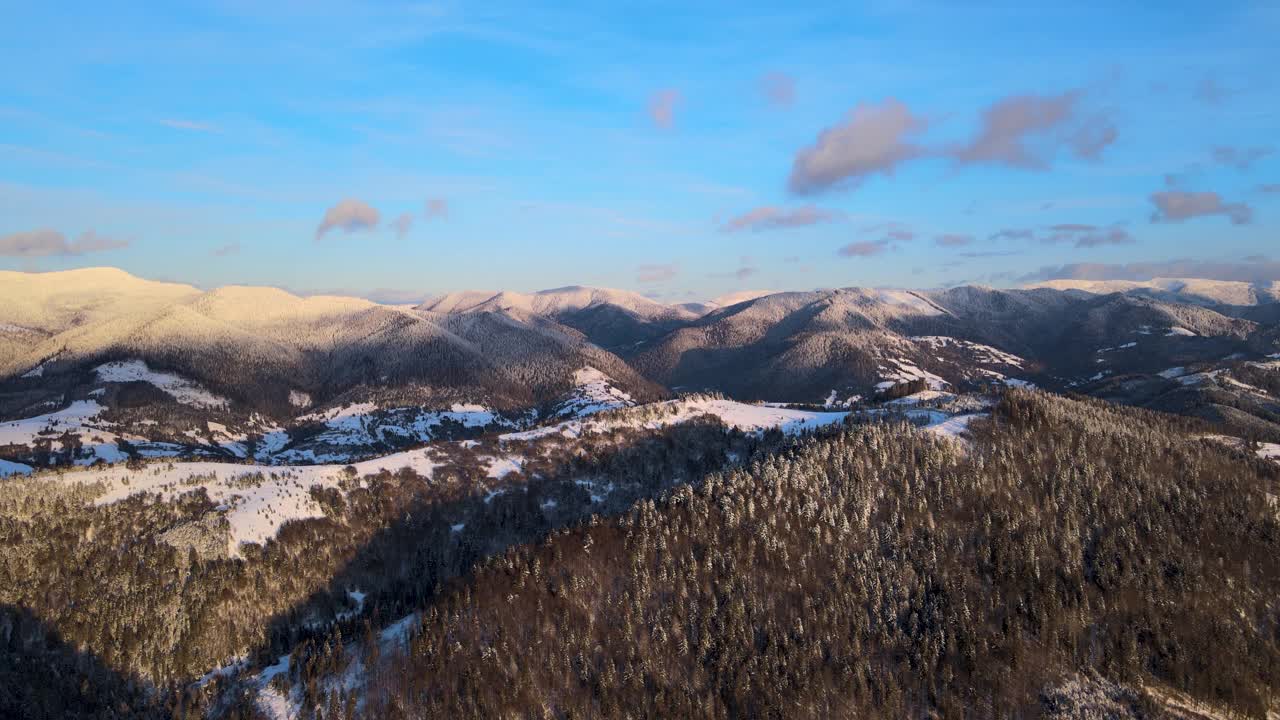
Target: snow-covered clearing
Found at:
x=79, y=420
x=593, y=392
x=980, y=353
x=353, y=427
x=1266, y=451
x=741, y=416
x=257, y=500
x=833, y=400
x=1220, y=375
x=953, y=427
x=1005, y=379
x=99, y=439
x=922, y=397
x=943, y=424
x=1179, y=331
x=176, y=386
x=903, y=371
x=905, y=299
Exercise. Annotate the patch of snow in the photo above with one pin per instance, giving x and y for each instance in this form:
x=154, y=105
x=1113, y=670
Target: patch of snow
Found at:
x=953, y=427
x=741, y=416
x=920, y=397
x=1221, y=376
x=35, y=372
x=398, y=632
x=593, y=392
x=984, y=354
x=1172, y=372
x=467, y=408
x=1265, y=451
x=340, y=416
x=272, y=442
x=458, y=528
x=833, y=401
x=1179, y=331
x=299, y=399
x=258, y=499
x=79, y=420
x=906, y=298
x=906, y=371
x=351, y=428
x=177, y=387
x=502, y=467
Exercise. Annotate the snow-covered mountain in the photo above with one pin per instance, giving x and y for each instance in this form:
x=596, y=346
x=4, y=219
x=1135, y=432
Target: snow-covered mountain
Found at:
x=1187, y=290
x=857, y=341
x=553, y=302
x=264, y=349
x=268, y=368
x=618, y=320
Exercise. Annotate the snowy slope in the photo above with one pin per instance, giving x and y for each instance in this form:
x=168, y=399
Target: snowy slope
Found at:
x=350, y=430
x=1190, y=290
x=177, y=387
x=266, y=350
x=258, y=500
x=55, y=301
x=550, y=303
x=746, y=417
x=740, y=296
x=593, y=392
x=77, y=423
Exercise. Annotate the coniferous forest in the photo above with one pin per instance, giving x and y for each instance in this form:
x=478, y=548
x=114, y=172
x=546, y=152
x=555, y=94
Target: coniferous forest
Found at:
x=1067, y=557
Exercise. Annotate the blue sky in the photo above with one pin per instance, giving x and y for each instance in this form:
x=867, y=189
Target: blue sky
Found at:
x=679, y=151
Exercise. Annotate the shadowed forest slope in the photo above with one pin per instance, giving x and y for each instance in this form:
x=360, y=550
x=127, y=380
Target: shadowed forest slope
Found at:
x=885, y=573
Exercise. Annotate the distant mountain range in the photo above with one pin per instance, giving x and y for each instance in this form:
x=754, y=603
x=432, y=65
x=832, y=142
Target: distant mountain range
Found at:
x=1198, y=347
x=1191, y=290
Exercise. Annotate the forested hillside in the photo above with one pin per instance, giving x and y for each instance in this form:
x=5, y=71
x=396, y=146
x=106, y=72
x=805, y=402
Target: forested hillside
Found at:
x=885, y=573
x=142, y=591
